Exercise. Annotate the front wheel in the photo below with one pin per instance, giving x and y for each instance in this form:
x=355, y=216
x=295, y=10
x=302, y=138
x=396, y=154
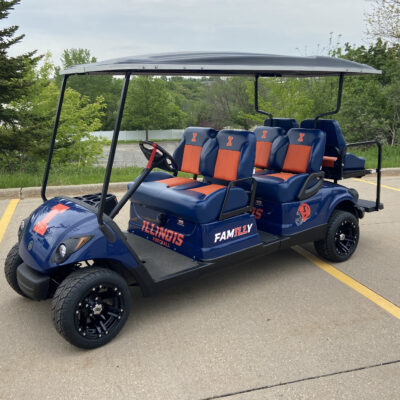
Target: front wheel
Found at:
x=341, y=238
x=13, y=261
x=91, y=306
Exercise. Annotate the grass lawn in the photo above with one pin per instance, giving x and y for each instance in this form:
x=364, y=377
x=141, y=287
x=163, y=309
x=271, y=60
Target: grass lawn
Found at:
x=390, y=156
x=72, y=175
x=68, y=175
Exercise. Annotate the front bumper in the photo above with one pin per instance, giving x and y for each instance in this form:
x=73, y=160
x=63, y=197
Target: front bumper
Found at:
x=32, y=283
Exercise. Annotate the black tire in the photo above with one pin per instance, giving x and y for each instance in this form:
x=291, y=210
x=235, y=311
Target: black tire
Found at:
x=13, y=261
x=341, y=238
x=91, y=306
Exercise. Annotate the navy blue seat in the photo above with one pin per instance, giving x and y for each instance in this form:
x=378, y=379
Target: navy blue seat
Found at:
x=297, y=154
x=335, y=144
x=187, y=156
x=265, y=137
x=285, y=123
x=228, y=157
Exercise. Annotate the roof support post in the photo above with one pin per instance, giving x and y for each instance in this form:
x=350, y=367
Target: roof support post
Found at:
x=256, y=100
x=338, y=104
x=113, y=148
x=53, y=139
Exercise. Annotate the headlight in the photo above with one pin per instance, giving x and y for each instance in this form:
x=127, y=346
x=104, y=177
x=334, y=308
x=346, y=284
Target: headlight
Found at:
x=62, y=250
x=21, y=229
x=68, y=247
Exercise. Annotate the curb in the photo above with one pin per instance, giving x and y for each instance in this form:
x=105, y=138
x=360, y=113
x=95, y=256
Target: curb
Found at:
x=74, y=190
x=52, y=191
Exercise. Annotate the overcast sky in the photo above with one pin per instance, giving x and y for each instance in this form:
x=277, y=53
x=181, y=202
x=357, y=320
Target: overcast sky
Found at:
x=115, y=28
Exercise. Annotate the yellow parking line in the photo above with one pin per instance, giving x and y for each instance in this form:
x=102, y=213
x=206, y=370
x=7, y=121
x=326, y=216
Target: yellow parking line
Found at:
x=6, y=218
x=353, y=284
x=373, y=183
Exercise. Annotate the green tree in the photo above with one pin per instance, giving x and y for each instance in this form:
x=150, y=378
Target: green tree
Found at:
x=371, y=104
x=150, y=105
x=13, y=70
x=92, y=86
x=383, y=22
x=29, y=140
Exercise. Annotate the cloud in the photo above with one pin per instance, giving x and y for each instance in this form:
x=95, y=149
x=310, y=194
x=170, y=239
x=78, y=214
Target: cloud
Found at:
x=121, y=27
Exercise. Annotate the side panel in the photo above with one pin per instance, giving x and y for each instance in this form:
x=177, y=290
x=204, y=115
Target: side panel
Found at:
x=295, y=217
x=198, y=241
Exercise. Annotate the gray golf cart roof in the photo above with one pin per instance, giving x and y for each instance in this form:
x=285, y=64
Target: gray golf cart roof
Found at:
x=223, y=63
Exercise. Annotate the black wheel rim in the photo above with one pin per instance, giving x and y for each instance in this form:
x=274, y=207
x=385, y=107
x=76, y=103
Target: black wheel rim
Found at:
x=346, y=237
x=99, y=312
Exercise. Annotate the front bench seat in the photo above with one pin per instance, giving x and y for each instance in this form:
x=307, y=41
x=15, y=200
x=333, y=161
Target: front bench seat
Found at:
x=228, y=157
x=187, y=156
x=304, y=149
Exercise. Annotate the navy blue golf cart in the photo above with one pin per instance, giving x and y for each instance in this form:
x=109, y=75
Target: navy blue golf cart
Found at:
x=249, y=194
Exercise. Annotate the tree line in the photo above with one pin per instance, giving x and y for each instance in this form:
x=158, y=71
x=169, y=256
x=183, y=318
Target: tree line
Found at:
x=29, y=87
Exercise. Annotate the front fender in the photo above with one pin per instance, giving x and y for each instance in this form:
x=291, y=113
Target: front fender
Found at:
x=57, y=220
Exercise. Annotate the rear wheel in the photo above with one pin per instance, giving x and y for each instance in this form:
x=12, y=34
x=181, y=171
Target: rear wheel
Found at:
x=91, y=306
x=13, y=261
x=341, y=238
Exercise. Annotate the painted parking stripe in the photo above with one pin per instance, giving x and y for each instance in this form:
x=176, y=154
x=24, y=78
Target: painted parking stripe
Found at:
x=350, y=282
x=374, y=183
x=6, y=218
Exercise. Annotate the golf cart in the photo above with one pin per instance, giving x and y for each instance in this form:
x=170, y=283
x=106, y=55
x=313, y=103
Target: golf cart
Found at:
x=249, y=194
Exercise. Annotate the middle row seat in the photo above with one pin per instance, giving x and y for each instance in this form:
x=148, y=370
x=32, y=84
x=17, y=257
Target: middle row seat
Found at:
x=225, y=158
x=293, y=157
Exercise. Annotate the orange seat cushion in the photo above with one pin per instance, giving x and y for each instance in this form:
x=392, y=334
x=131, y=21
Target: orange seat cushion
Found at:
x=263, y=150
x=282, y=175
x=208, y=189
x=176, y=181
x=227, y=164
x=297, y=158
x=328, y=161
x=191, y=159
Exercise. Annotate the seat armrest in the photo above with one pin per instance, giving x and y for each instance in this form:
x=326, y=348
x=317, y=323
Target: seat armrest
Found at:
x=306, y=192
x=228, y=214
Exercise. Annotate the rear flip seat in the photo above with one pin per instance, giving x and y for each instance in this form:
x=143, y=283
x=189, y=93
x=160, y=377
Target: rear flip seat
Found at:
x=335, y=143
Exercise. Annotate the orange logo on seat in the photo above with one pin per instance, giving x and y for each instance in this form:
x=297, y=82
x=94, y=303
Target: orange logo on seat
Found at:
x=230, y=138
x=301, y=135
x=194, y=137
x=264, y=135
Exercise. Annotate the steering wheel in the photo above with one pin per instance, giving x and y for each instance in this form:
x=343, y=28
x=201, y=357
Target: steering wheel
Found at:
x=161, y=158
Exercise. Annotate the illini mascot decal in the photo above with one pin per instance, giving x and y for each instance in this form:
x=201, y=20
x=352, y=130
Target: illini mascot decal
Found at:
x=303, y=213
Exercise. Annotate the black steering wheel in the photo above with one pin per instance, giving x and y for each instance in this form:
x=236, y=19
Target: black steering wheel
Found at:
x=161, y=158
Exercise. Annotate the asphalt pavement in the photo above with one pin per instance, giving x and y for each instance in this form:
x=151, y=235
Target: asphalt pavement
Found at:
x=282, y=327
